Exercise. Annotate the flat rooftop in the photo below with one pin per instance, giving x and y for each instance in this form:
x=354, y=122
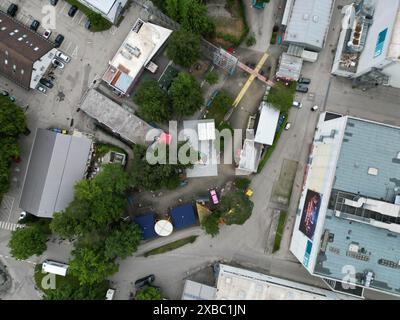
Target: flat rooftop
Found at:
x=241, y=284
x=368, y=167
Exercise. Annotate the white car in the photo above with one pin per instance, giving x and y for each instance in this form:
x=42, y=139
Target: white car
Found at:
x=288, y=125
x=63, y=57
x=315, y=108
x=41, y=89
x=47, y=33
x=297, y=104
x=58, y=64
x=22, y=215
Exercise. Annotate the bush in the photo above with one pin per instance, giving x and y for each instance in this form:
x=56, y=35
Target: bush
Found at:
x=211, y=224
x=219, y=107
x=149, y=293
x=28, y=241
x=211, y=77
x=235, y=208
x=184, y=48
x=251, y=41
x=242, y=183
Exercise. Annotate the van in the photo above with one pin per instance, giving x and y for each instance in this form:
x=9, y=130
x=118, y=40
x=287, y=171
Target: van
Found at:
x=110, y=294
x=54, y=267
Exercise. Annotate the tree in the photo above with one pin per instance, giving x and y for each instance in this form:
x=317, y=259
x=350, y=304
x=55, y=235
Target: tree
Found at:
x=194, y=18
x=186, y=95
x=75, y=291
x=90, y=265
x=155, y=176
x=281, y=96
x=211, y=224
x=28, y=241
x=242, y=183
x=123, y=241
x=153, y=102
x=173, y=8
x=98, y=202
x=211, y=77
x=184, y=48
x=149, y=293
x=235, y=208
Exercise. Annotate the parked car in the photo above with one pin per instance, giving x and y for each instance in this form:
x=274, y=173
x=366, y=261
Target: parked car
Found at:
x=41, y=88
x=72, y=11
x=47, y=34
x=46, y=83
x=56, y=130
x=304, y=80
x=140, y=283
x=302, y=88
x=214, y=196
x=58, y=64
x=22, y=215
x=59, y=40
x=12, y=10
x=314, y=108
x=297, y=104
x=288, y=125
x=12, y=98
x=88, y=24
x=4, y=93
x=63, y=57
x=53, y=2
x=35, y=25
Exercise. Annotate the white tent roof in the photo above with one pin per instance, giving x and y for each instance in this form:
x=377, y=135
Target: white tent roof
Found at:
x=267, y=124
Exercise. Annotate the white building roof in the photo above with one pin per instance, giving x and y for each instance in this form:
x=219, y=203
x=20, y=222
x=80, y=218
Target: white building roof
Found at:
x=240, y=284
x=250, y=156
x=142, y=43
x=267, y=124
x=289, y=67
x=197, y=291
x=55, y=268
x=308, y=22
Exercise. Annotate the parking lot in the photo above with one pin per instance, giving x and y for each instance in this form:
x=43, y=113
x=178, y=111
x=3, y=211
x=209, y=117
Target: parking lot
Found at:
x=89, y=52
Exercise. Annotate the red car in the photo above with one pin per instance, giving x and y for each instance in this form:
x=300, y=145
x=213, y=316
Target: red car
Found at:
x=214, y=196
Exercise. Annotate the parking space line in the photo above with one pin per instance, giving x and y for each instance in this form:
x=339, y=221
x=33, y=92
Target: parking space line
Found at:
x=78, y=14
x=69, y=45
x=61, y=11
x=81, y=19
x=74, y=53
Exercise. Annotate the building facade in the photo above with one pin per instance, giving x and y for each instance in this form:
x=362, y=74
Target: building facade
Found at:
x=368, y=50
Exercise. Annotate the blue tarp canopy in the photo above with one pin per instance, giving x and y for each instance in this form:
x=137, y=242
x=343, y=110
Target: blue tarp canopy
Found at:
x=146, y=224
x=183, y=216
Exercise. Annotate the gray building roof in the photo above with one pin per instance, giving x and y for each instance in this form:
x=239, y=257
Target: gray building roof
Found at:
x=366, y=145
x=309, y=22
x=56, y=163
x=118, y=119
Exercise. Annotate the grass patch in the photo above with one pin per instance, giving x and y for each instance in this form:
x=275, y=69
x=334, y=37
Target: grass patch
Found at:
x=219, y=107
x=279, y=231
x=171, y=246
x=271, y=149
x=282, y=189
x=102, y=149
x=60, y=281
x=99, y=23
x=236, y=30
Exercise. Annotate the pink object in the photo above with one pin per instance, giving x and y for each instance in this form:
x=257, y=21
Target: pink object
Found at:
x=214, y=196
x=166, y=138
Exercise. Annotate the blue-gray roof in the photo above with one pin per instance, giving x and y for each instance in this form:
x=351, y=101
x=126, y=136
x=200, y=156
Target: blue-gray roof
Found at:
x=369, y=145
x=365, y=145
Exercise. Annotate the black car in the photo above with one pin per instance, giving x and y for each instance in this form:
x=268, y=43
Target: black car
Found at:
x=12, y=10
x=88, y=24
x=304, y=80
x=144, y=281
x=53, y=2
x=59, y=40
x=301, y=88
x=72, y=11
x=35, y=25
x=46, y=83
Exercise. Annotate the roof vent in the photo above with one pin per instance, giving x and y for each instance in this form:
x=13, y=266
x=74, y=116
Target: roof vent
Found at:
x=306, y=16
x=315, y=19
x=398, y=155
x=373, y=171
x=354, y=247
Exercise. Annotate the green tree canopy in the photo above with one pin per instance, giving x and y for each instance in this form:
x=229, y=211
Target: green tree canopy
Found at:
x=153, y=102
x=28, y=241
x=72, y=291
x=122, y=241
x=154, y=176
x=90, y=265
x=235, y=208
x=191, y=14
x=281, y=96
x=98, y=202
x=211, y=224
x=211, y=77
x=149, y=293
x=186, y=95
x=184, y=48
